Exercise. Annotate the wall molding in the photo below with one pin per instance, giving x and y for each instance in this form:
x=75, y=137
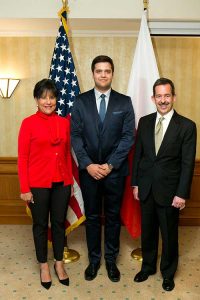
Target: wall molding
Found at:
x=95, y=27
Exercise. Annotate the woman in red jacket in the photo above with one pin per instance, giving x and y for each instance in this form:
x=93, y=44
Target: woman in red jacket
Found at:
x=45, y=174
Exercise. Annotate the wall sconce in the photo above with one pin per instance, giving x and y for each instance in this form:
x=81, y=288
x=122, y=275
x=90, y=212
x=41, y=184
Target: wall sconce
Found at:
x=7, y=86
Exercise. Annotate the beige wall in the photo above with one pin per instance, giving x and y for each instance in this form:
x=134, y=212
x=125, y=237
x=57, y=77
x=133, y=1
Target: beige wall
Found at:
x=179, y=59
x=162, y=9
x=29, y=59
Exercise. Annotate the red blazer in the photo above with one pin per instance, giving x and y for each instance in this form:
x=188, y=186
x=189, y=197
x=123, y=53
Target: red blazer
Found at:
x=43, y=148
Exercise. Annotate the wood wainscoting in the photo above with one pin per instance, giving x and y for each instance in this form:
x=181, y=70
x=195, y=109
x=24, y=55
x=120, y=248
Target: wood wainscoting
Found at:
x=191, y=214
x=12, y=209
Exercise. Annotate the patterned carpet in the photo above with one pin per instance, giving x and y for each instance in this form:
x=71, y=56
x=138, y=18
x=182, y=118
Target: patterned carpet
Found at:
x=19, y=276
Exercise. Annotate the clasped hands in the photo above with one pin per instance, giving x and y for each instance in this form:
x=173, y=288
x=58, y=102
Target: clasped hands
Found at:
x=98, y=171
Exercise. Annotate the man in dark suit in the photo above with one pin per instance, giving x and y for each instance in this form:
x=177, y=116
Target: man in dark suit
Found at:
x=162, y=174
x=102, y=135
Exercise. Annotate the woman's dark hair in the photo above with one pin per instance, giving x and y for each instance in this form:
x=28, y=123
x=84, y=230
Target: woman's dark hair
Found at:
x=100, y=59
x=43, y=86
x=164, y=81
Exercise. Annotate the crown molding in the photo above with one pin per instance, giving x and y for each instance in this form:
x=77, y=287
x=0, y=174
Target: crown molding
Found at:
x=95, y=27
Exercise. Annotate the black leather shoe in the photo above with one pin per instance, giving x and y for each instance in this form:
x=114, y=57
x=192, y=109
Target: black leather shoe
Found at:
x=113, y=272
x=45, y=284
x=91, y=271
x=142, y=276
x=168, y=284
x=63, y=281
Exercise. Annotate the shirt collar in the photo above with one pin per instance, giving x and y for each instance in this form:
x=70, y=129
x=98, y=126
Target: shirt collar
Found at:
x=98, y=94
x=168, y=116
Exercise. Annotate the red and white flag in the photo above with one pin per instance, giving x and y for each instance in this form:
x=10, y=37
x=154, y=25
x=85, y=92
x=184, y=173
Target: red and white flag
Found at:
x=144, y=72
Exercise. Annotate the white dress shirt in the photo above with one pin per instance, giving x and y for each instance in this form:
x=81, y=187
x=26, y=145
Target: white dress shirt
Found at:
x=98, y=98
x=166, y=120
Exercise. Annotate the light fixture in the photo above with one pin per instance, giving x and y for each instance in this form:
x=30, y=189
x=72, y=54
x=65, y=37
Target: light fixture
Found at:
x=7, y=86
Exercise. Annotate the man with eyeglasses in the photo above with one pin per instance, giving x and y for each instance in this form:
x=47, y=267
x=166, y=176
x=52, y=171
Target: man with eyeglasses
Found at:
x=162, y=173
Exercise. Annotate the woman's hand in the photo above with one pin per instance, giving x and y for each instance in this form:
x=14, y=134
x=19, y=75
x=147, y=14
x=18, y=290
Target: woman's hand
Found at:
x=27, y=197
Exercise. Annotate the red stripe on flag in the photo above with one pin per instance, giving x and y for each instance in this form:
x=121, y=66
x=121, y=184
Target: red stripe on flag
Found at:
x=67, y=224
x=130, y=210
x=75, y=206
x=75, y=171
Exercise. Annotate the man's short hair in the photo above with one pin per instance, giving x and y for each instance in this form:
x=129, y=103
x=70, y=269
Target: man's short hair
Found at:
x=100, y=59
x=163, y=81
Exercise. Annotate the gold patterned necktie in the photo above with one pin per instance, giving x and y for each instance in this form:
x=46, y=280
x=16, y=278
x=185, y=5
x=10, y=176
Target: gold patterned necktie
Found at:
x=158, y=134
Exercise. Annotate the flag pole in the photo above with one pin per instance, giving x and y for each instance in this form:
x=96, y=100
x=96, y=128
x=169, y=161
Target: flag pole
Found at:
x=137, y=253
x=69, y=255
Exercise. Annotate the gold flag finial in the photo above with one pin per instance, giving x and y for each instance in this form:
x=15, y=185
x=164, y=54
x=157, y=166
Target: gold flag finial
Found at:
x=145, y=2
x=64, y=3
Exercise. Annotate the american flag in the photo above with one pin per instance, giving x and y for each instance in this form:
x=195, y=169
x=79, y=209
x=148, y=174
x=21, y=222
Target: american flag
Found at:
x=62, y=72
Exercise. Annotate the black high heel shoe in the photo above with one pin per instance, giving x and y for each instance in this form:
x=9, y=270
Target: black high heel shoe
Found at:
x=63, y=281
x=47, y=284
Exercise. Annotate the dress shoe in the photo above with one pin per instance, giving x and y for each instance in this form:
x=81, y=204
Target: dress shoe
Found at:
x=91, y=271
x=142, y=276
x=45, y=284
x=63, y=281
x=113, y=272
x=168, y=284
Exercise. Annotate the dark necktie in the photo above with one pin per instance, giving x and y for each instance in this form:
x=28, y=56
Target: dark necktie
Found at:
x=102, y=108
x=158, y=134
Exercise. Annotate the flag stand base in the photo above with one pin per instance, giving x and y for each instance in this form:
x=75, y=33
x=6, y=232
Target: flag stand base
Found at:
x=70, y=255
x=137, y=254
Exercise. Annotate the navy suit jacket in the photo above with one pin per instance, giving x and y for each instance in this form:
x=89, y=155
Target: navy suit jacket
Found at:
x=107, y=143
x=169, y=173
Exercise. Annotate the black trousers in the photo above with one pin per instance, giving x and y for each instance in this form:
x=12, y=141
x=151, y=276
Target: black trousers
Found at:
x=106, y=193
x=51, y=202
x=166, y=218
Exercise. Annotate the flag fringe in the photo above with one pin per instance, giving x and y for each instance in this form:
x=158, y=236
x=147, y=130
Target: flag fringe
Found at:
x=28, y=211
x=75, y=225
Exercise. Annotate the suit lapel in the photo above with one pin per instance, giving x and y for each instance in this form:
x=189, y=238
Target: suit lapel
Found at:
x=150, y=134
